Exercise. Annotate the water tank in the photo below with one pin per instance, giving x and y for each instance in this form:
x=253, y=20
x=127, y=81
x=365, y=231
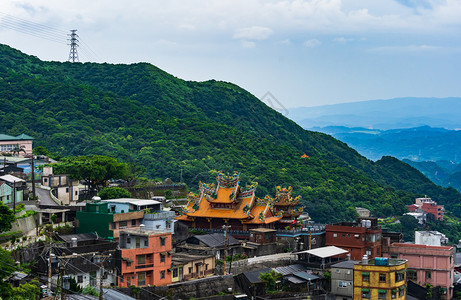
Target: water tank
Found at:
x=363, y=223
x=381, y=261
x=365, y=259
x=368, y=223
x=74, y=242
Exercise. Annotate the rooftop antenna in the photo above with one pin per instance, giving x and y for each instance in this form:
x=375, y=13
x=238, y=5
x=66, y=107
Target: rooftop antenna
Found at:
x=73, y=54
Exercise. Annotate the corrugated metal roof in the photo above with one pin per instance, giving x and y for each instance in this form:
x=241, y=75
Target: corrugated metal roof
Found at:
x=216, y=240
x=291, y=269
x=348, y=264
x=253, y=276
x=11, y=178
x=295, y=280
x=111, y=294
x=306, y=276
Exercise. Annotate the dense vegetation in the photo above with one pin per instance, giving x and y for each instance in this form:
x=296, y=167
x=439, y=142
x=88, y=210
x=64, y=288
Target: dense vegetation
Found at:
x=146, y=117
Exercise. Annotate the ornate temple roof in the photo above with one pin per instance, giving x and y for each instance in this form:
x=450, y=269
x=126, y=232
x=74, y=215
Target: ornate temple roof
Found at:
x=229, y=201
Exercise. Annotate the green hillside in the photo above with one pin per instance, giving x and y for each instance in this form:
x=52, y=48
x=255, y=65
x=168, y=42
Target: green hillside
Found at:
x=144, y=116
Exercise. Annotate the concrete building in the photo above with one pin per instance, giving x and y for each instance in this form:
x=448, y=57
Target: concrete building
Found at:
x=430, y=238
x=380, y=278
x=185, y=266
x=12, y=189
x=8, y=143
x=342, y=280
x=359, y=238
x=427, y=264
x=62, y=187
x=145, y=257
x=433, y=211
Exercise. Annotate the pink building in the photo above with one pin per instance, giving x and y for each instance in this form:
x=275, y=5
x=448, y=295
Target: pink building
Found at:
x=8, y=143
x=427, y=264
x=429, y=207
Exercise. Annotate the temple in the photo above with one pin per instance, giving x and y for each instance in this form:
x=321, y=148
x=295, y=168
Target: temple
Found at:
x=284, y=204
x=228, y=203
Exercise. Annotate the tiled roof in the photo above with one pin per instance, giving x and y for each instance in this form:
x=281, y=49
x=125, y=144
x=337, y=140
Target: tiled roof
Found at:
x=21, y=137
x=216, y=240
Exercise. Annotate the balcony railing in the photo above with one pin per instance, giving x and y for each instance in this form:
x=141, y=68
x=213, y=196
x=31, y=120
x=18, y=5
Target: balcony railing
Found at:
x=160, y=216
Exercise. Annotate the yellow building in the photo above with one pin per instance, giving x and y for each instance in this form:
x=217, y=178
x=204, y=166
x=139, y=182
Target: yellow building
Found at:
x=380, y=278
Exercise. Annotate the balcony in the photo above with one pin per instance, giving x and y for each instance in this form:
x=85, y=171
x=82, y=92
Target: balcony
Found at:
x=160, y=216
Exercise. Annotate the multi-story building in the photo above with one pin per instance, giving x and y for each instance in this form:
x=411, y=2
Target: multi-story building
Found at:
x=342, y=280
x=427, y=264
x=185, y=266
x=430, y=238
x=145, y=257
x=107, y=218
x=430, y=207
x=8, y=143
x=359, y=238
x=12, y=189
x=62, y=187
x=380, y=278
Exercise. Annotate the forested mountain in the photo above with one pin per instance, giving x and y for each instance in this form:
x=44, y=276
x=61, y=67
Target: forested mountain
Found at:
x=144, y=116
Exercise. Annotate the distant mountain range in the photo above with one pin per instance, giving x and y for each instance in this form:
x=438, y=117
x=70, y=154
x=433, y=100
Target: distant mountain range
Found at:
x=435, y=152
x=383, y=114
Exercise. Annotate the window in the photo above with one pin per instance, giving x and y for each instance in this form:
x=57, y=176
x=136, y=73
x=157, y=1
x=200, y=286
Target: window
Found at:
x=175, y=272
x=67, y=190
x=128, y=240
x=399, y=276
x=45, y=180
x=141, y=259
x=377, y=251
x=342, y=284
x=382, y=294
x=348, y=272
x=365, y=276
x=394, y=294
x=128, y=263
x=338, y=271
x=190, y=270
x=206, y=267
x=141, y=279
x=428, y=274
x=133, y=222
x=335, y=235
x=162, y=274
x=401, y=291
x=394, y=255
x=365, y=293
x=114, y=225
x=162, y=241
x=122, y=224
x=146, y=243
x=382, y=277
x=162, y=258
x=412, y=275
x=80, y=279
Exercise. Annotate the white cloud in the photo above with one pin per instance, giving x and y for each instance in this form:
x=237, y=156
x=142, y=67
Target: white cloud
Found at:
x=253, y=33
x=342, y=40
x=312, y=43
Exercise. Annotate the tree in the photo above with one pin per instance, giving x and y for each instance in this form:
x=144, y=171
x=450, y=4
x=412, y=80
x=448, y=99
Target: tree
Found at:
x=6, y=217
x=114, y=192
x=7, y=267
x=270, y=278
x=40, y=150
x=95, y=169
x=28, y=291
x=18, y=149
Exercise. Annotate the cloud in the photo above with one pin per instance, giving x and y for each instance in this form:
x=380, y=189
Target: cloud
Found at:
x=342, y=40
x=312, y=43
x=406, y=49
x=253, y=33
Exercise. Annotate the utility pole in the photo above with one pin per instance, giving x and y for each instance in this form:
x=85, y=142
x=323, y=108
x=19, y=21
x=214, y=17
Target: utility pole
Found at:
x=33, y=177
x=225, y=227
x=101, y=273
x=14, y=196
x=49, y=263
x=73, y=54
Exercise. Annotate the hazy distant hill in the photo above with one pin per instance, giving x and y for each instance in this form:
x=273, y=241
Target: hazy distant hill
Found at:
x=383, y=114
x=149, y=118
x=418, y=144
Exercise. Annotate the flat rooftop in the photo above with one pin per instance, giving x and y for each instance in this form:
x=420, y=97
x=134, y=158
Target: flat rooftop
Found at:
x=133, y=201
x=144, y=232
x=379, y=261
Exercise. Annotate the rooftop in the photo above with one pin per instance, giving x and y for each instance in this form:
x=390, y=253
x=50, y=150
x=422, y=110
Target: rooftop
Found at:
x=348, y=264
x=11, y=178
x=144, y=232
x=216, y=240
x=133, y=201
x=324, y=252
x=383, y=261
x=183, y=258
x=21, y=137
x=263, y=230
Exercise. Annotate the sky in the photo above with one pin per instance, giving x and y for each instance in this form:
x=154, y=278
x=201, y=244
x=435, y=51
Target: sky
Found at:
x=301, y=53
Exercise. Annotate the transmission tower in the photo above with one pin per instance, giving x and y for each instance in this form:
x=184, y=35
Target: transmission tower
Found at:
x=73, y=54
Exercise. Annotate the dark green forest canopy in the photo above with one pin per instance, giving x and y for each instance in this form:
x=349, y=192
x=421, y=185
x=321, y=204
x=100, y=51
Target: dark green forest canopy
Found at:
x=141, y=115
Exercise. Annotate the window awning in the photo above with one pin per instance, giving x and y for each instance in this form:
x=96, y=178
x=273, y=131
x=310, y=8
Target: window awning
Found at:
x=382, y=291
x=365, y=273
x=365, y=290
x=401, y=287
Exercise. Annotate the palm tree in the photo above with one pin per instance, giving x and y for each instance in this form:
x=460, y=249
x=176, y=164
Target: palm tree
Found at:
x=18, y=148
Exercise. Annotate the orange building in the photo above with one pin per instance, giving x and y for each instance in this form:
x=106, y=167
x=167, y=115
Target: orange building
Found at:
x=228, y=203
x=145, y=257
